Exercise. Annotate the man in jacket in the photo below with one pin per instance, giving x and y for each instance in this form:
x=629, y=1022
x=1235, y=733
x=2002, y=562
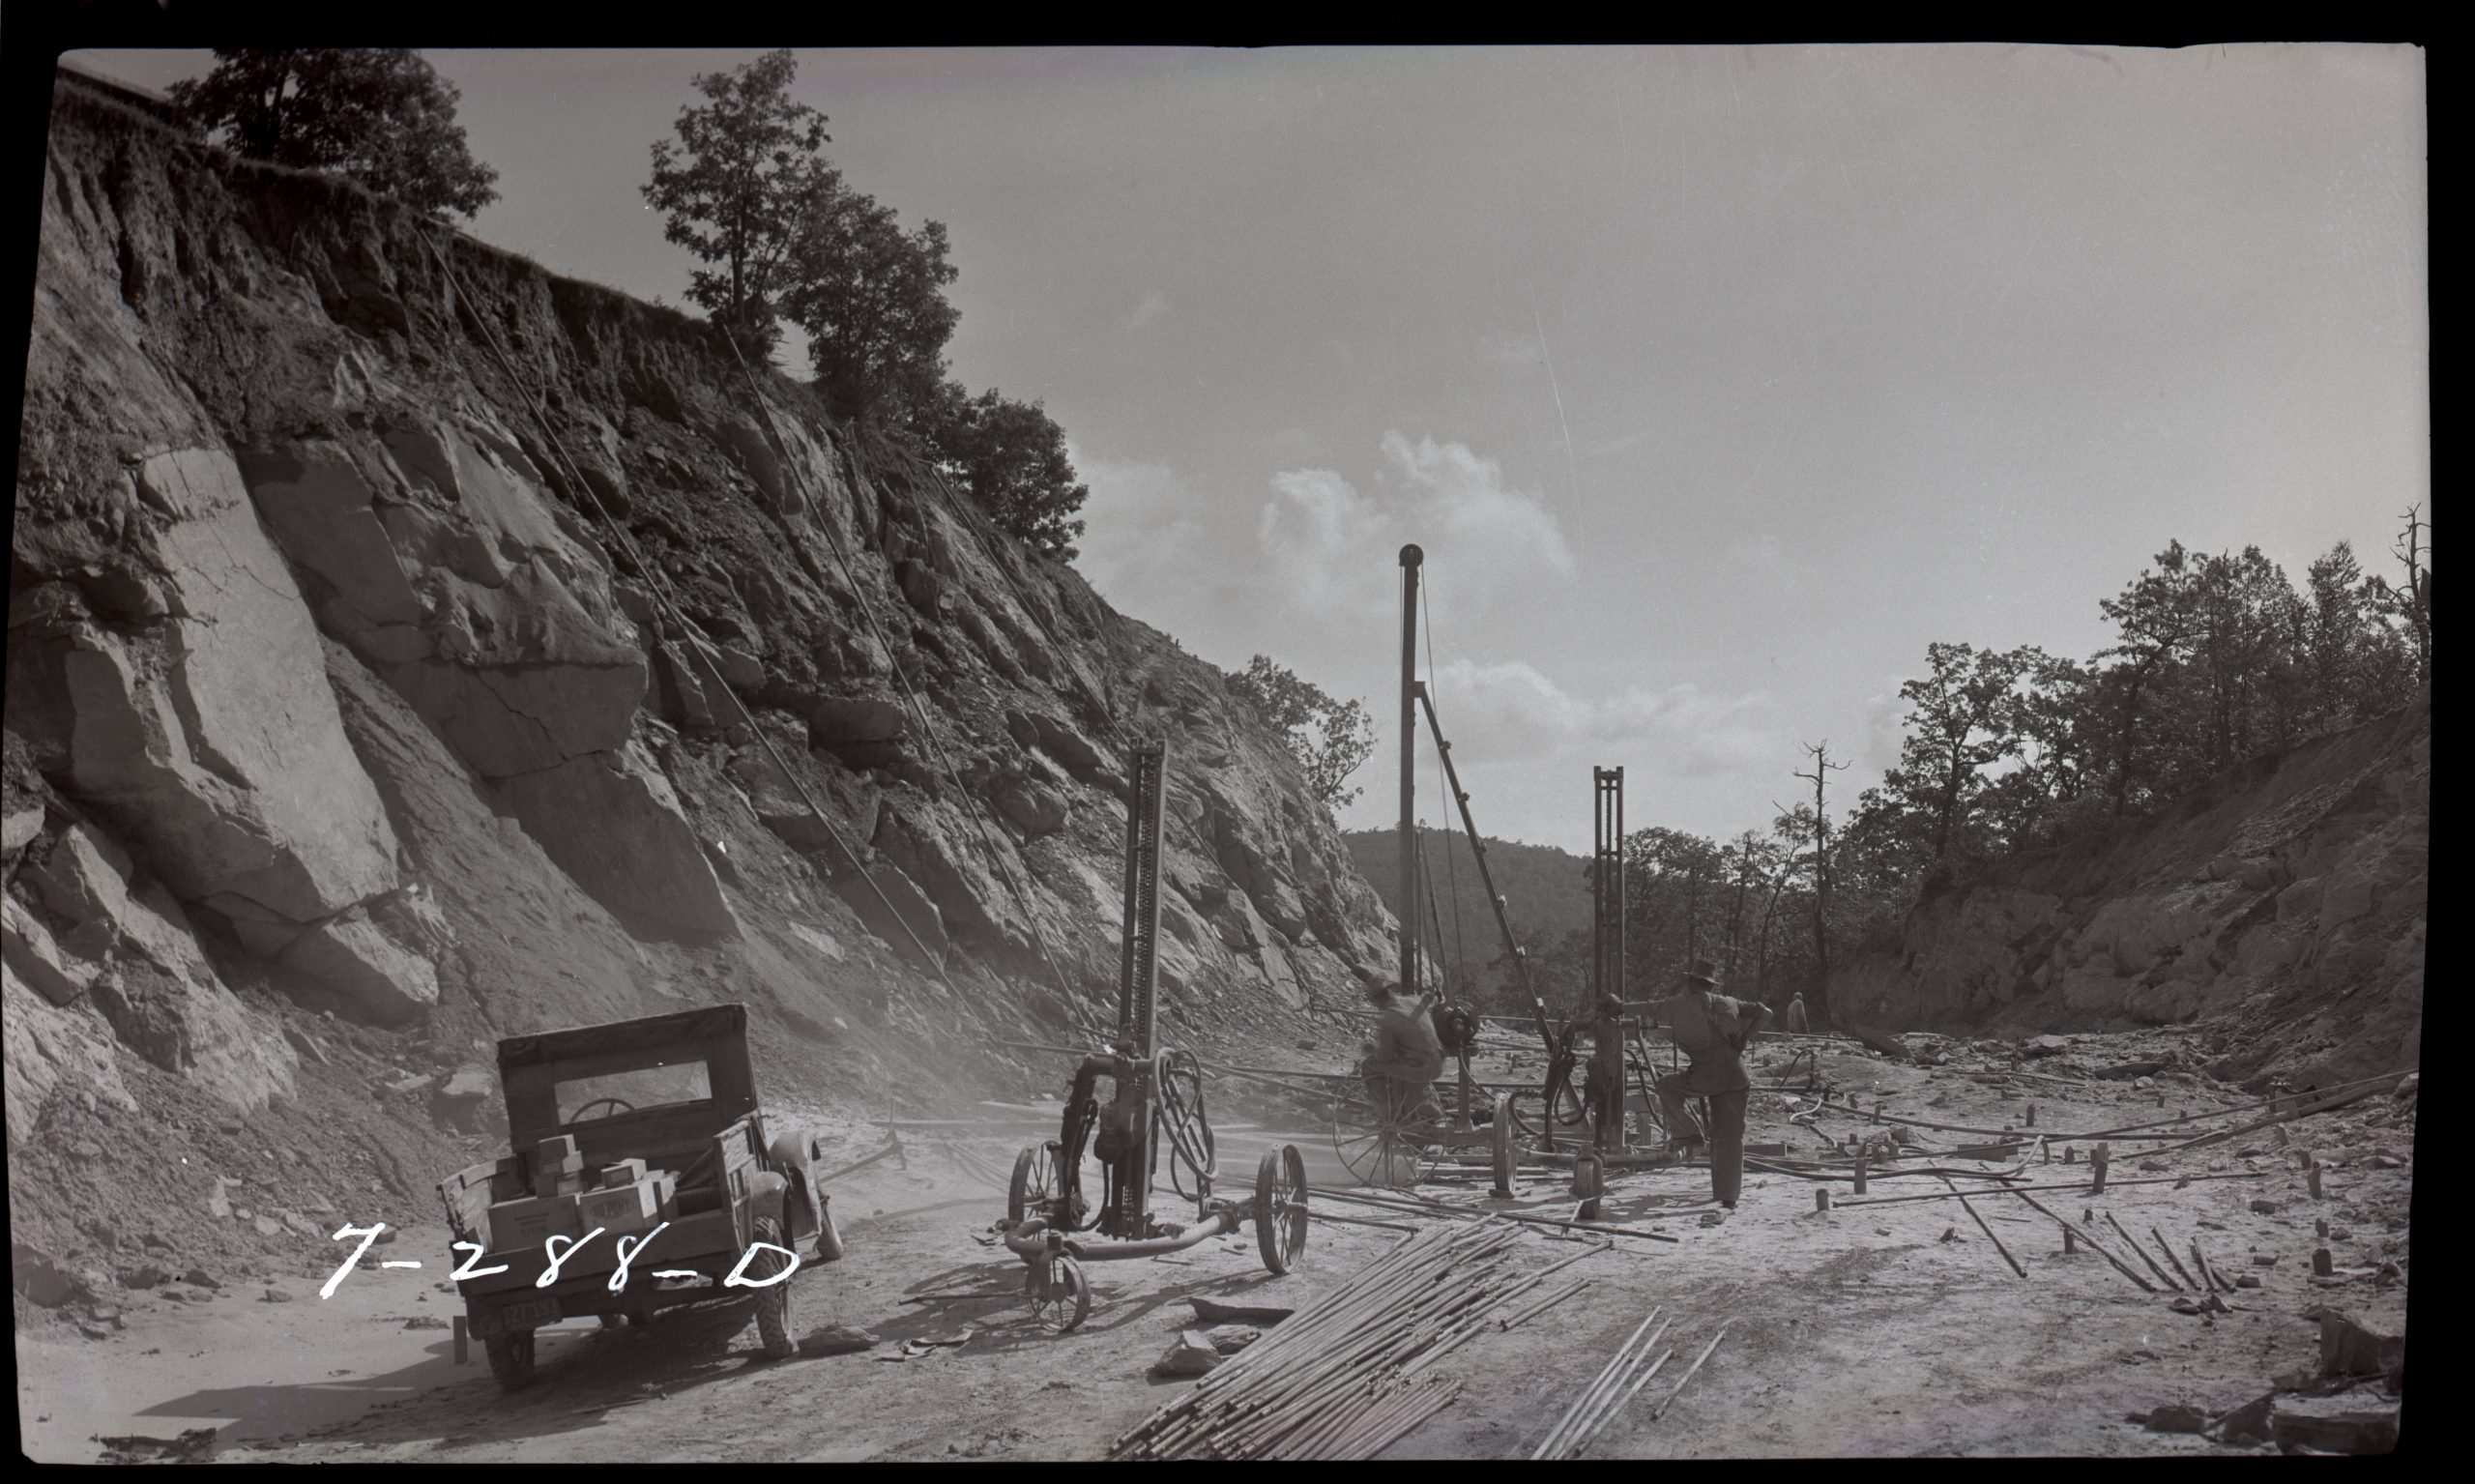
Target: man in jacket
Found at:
x=1407, y=1057
x=1713, y=1029
x=1795, y=1019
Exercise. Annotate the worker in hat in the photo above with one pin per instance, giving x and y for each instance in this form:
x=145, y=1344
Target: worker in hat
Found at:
x=1795, y=1018
x=1713, y=1029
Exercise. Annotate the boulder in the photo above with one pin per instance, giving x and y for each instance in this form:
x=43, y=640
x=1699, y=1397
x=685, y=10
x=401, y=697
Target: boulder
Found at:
x=1191, y=1354
x=921, y=586
x=861, y=730
x=1036, y=810
x=36, y=959
x=681, y=694
x=2348, y=1347
x=183, y=762
x=44, y=1282
x=349, y=955
x=1082, y=757
x=50, y=1050
x=2334, y=1425
x=19, y=827
x=611, y=821
x=836, y=1340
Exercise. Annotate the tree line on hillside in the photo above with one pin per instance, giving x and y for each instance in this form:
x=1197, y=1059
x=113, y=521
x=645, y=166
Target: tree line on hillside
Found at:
x=746, y=188
x=2215, y=659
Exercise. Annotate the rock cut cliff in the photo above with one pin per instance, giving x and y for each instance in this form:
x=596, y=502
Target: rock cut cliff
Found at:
x=2279, y=910
x=335, y=699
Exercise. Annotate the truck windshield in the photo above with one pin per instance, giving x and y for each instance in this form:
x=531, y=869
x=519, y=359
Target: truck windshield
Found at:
x=616, y=1092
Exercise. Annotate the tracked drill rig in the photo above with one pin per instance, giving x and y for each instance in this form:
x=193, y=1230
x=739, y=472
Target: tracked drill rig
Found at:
x=1157, y=1099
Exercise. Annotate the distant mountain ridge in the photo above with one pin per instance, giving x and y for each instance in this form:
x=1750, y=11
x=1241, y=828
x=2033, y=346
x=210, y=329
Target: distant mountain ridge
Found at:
x=1546, y=894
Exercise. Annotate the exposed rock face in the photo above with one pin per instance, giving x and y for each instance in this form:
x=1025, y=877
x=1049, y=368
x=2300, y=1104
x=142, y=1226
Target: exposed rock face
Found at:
x=323, y=618
x=2283, y=888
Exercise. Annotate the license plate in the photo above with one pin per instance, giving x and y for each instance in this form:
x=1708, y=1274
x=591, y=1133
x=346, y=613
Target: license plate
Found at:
x=531, y=1314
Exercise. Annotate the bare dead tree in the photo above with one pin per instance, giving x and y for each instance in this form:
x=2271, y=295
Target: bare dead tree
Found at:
x=1824, y=768
x=2410, y=549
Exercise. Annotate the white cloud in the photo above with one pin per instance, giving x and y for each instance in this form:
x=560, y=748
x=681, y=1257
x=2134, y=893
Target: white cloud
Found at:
x=1330, y=543
x=1139, y=531
x=1514, y=709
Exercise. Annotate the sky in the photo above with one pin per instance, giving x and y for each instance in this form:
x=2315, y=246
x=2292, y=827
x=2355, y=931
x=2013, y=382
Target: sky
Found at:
x=1715, y=383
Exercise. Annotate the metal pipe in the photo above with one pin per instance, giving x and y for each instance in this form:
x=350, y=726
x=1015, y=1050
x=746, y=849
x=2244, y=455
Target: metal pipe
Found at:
x=1411, y=558
x=1661, y=1408
x=2163, y=1276
x=2013, y=1190
x=1625, y=1401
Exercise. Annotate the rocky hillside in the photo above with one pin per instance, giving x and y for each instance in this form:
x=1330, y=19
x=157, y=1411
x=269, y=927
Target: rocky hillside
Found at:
x=344, y=735
x=2279, y=911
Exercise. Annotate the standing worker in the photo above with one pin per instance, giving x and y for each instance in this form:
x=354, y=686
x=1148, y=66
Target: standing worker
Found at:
x=1713, y=1029
x=1795, y=1019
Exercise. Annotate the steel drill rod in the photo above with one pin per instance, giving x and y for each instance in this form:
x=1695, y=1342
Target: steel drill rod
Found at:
x=1544, y=1305
x=1660, y=1410
x=1979, y=1217
x=1607, y=1391
x=1342, y=1443
x=1358, y=1221
x=1545, y=1447
x=1626, y=1400
x=2223, y=1282
x=1432, y=1400
x=1378, y=1423
x=2163, y=1276
x=2085, y=1238
x=1610, y=1397
x=2167, y=1247
x=1380, y=1436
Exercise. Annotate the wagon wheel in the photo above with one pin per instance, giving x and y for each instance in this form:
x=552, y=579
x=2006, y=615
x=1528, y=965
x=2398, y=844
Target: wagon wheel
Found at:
x=1378, y=1138
x=1280, y=1207
x=1060, y=1299
x=618, y=1104
x=1032, y=1191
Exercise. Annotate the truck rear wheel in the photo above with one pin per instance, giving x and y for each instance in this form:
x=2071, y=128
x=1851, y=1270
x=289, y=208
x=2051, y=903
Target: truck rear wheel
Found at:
x=510, y=1359
x=773, y=1305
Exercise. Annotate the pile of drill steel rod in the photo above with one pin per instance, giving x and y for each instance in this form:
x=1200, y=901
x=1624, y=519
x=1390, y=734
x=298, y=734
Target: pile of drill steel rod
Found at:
x=1617, y=1383
x=1339, y=1378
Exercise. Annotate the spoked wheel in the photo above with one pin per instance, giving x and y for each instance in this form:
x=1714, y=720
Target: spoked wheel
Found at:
x=1374, y=1141
x=1034, y=1187
x=1060, y=1299
x=1280, y=1207
x=774, y=1303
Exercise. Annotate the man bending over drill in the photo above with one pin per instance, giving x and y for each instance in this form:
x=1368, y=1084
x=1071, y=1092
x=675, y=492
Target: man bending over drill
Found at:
x=1407, y=1057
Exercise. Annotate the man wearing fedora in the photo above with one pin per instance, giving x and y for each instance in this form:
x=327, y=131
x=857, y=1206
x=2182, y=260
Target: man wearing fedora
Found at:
x=1713, y=1031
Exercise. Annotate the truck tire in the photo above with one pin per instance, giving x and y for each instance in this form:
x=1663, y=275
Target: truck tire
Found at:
x=510, y=1359
x=773, y=1305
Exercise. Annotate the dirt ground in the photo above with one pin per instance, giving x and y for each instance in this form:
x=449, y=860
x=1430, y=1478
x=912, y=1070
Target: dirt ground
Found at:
x=1891, y=1329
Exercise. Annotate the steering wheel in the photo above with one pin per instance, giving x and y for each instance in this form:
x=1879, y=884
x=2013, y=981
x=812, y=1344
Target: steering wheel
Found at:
x=621, y=1105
